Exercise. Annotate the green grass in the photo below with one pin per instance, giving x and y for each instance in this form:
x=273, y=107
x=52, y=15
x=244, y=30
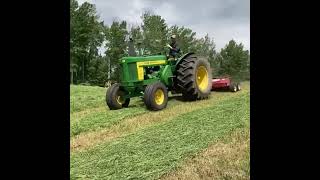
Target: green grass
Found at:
x=104, y=119
x=84, y=97
x=153, y=151
x=87, y=98
x=226, y=159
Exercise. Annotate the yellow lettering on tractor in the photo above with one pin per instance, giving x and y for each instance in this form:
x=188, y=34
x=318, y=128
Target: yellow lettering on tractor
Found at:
x=147, y=63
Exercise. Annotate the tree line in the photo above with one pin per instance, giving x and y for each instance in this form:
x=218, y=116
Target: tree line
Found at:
x=88, y=34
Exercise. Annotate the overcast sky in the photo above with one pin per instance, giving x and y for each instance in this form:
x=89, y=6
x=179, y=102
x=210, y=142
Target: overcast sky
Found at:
x=223, y=20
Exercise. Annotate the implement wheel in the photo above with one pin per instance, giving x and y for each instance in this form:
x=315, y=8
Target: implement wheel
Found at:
x=238, y=87
x=233, y=88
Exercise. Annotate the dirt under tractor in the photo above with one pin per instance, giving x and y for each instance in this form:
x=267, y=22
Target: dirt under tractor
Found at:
x=152, y=77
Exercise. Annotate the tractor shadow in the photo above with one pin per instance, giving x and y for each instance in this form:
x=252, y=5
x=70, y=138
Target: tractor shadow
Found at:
x=221, y=90
x=181, y=99
x=177, y=98
x=140, y=103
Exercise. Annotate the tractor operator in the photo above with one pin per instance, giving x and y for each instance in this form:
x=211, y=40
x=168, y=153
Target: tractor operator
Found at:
x=174, y=49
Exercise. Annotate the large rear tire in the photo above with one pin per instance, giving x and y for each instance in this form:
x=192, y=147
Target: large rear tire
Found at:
x=115, y=97
x=194, y=78
x=156, y=96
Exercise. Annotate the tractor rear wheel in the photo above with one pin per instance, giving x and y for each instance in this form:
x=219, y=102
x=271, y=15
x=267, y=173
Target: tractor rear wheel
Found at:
x=115, y=97
x=194, y=78
x=156, y=96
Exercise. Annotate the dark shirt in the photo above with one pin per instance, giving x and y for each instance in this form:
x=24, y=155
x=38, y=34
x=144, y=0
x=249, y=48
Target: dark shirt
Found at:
x=175, y=49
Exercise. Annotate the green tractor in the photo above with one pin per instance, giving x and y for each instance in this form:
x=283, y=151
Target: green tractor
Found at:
x=152, y=77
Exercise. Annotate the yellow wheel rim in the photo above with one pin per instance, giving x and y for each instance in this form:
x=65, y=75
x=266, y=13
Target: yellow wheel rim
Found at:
x=202, y=78
x=159, y=97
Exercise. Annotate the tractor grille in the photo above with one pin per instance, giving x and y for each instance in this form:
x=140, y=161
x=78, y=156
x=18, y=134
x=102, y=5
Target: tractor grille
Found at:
x=132, y=67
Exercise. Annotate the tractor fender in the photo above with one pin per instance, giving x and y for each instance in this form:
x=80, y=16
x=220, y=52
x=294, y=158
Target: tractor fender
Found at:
x=182, y=57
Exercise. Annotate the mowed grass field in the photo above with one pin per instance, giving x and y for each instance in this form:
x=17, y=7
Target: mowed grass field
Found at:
x=206, y=139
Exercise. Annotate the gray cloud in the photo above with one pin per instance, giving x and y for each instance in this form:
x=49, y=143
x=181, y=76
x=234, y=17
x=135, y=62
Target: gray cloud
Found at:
x=221, y=19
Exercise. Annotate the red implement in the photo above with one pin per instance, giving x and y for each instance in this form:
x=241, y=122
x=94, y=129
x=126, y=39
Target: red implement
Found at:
x=225, y=83
x=218, y=83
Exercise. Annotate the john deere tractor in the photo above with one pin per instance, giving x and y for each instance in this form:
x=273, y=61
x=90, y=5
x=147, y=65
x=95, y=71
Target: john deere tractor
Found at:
x=152, y=77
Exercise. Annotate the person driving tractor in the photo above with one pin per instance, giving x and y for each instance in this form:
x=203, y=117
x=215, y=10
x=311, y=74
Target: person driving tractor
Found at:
x=174, y=49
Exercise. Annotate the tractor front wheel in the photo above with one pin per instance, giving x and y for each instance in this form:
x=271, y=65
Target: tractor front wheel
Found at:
x=156, y=96
x=115, y=97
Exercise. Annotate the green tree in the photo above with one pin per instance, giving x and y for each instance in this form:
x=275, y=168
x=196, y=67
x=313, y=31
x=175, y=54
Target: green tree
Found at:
x=86, y=36
x=185, y=38
x=116, y=47
x=234, y=61
x=154, y=33
x=98, y=71
x=205, y=47
x=137, y=36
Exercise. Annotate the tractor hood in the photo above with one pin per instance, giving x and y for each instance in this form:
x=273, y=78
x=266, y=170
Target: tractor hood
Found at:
x=142, y=58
